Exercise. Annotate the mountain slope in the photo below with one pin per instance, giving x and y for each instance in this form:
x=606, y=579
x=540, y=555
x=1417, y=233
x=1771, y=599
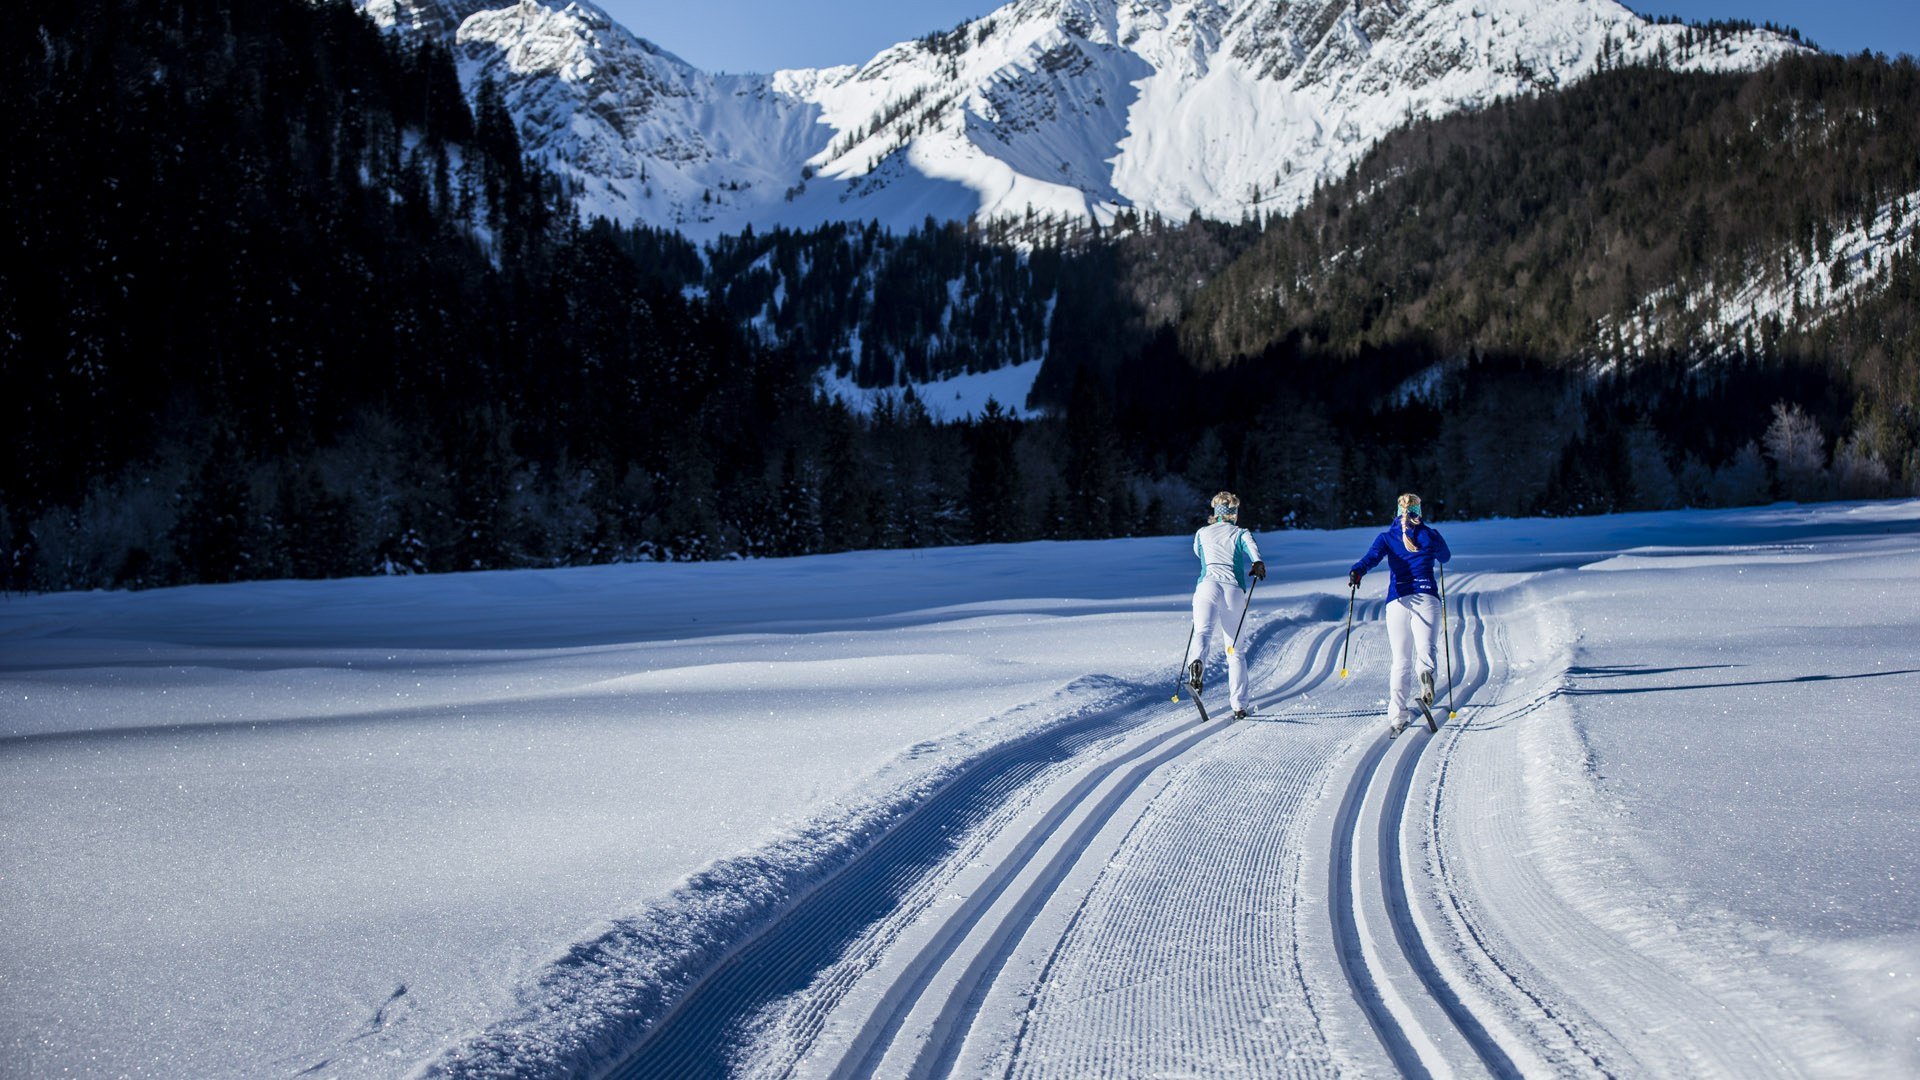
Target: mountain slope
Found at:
x=1080, y=108
x=648, y=137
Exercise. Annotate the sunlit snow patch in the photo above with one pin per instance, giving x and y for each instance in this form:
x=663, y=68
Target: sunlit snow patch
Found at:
x=958, y=397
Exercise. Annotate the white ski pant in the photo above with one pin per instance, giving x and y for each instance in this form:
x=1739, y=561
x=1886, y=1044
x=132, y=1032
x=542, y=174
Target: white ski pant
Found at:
x=1216, y=608
x=1412, y=625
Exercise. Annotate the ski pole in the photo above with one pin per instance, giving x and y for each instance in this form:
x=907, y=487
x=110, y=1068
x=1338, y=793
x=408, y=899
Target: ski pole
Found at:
x=1446, y=638
x=1243, y=616
x=1352, y=590
x=1179, y=678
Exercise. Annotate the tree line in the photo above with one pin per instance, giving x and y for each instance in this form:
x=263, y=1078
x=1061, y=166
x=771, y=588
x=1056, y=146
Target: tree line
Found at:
x=286, y=302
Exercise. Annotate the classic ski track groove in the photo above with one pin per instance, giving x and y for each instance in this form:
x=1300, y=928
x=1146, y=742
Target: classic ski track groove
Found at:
x=1200, y=899
x=1048, y=800
x=1370, y=956
x=1569, y=1021
x=941, y=1054
x=864, y=905
x=1566, y=1042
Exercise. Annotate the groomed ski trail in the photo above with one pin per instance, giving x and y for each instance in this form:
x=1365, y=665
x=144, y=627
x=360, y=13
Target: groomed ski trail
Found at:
x=1535, y=932
x=990, y=1019
x=1141, y=892
x=884, y=969
x=1385, y=941
x=905, y=905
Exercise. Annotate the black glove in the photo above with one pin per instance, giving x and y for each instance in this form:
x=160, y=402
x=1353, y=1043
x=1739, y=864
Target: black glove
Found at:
x=1353, y=579
x=1259, y=570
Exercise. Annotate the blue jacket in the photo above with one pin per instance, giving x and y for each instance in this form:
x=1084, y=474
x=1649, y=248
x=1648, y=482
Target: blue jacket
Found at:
x=1412, y=570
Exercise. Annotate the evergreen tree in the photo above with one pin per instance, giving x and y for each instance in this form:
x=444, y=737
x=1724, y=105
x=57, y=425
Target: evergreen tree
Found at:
x=993, y=478
x=1092, y=473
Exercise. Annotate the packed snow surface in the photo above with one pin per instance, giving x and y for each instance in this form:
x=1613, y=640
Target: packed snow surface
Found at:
x=934, y=812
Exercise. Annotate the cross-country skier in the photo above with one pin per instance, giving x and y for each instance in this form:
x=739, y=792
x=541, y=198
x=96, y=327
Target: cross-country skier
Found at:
x=1411, y=547
x=1229, y=564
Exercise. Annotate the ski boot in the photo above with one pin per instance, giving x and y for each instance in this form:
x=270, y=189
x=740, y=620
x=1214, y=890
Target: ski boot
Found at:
x=1240, y=714
x=1193, y=676
x=1398, y=725
x=1425, y=700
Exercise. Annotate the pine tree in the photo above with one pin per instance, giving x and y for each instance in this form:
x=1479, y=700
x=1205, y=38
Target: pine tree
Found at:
x=1093, y=462
x=993, y=478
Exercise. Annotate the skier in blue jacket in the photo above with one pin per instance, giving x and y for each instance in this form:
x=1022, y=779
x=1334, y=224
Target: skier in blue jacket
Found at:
x=1229, y=564
x=1411, y=547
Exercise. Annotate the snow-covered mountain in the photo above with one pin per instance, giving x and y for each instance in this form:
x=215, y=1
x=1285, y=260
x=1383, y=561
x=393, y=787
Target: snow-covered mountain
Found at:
x=1072, y=107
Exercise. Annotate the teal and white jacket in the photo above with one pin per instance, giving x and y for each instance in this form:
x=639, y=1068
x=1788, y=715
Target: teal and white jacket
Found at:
x=1226, y=552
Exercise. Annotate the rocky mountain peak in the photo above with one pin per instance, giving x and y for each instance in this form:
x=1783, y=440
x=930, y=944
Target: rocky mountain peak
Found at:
x=1082, y=108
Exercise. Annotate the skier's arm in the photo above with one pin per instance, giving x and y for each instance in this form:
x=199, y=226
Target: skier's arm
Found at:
x=1255, y=565
x=1373, y=556
x=1253, y=549
x=1439, y=545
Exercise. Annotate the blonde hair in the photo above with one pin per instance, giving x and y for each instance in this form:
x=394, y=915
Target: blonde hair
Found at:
x=1225, y=505
x=1407, y=501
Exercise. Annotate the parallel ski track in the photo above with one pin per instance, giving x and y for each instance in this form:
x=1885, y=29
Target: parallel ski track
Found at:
x=1478, y=669
x=1199, y=904
x=1603, y=986
x=699, y=1035
x=1408, y=941
x=940, y=1054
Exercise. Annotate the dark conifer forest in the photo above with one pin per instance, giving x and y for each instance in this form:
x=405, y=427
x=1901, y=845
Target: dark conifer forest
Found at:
x=282, y=300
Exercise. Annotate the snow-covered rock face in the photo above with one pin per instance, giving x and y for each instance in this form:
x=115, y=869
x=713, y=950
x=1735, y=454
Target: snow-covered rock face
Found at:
x=652, y=138
x=1077, y=107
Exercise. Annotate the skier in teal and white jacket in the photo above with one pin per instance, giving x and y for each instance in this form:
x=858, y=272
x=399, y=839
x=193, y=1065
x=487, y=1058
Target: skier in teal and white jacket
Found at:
x=1229, y=565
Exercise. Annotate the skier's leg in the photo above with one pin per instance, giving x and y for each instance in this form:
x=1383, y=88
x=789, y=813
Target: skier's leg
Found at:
x=1203, y=622
x=1400, y=644
x=1233, y=603
x=1424, y=617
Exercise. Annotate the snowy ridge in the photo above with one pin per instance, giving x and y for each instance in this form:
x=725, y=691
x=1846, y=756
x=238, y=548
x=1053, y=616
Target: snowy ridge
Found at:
x=1814, y=283
x=650, y=137
x=1071, y=108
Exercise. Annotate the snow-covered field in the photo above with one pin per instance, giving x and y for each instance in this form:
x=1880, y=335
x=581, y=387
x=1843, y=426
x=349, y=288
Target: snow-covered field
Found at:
x=933, y=813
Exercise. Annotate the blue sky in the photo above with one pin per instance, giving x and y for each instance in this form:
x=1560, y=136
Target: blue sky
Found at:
x=765, y=35
x=1839, y=26
x=762, y=35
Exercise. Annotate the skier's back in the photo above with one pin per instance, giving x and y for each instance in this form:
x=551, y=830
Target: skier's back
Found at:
x=1410, y=547
x=1229, y=564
